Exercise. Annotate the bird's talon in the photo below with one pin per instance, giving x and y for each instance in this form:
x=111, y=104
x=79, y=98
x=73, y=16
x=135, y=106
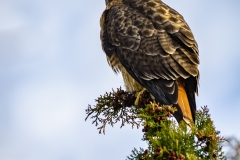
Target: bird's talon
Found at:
x=138, y=94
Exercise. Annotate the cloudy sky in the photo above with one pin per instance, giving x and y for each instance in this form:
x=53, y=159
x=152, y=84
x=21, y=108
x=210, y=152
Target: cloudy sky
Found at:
x=52, y=66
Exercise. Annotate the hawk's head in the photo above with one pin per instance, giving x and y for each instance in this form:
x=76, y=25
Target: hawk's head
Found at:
x=112, y=1
x=107, y=1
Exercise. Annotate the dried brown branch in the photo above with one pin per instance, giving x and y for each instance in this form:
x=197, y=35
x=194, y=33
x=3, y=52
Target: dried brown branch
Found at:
x=116, y=106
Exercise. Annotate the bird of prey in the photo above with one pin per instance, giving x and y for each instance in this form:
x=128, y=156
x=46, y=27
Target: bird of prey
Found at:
x=154, y=49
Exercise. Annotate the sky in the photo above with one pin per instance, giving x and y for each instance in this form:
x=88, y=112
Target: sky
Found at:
x=52, y=66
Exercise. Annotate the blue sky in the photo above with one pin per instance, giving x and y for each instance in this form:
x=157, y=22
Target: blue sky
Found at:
x=52, y=66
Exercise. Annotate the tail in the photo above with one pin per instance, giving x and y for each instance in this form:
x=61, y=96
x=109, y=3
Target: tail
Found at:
x=186, y=104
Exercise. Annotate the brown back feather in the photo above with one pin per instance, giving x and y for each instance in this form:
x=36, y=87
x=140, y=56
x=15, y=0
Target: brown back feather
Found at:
x=155, y=46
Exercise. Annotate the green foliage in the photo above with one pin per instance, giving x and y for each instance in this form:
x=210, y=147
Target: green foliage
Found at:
x=165, y=137
x=169, y=140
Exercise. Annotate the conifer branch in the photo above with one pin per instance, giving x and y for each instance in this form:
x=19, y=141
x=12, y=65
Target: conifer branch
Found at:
x=167, y=140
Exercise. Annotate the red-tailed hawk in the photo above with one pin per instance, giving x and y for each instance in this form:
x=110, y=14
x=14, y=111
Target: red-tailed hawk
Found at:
x=154, y=48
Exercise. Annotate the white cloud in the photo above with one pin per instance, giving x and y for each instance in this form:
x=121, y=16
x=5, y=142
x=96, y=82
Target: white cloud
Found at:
x=10, y=19
x=46, y=110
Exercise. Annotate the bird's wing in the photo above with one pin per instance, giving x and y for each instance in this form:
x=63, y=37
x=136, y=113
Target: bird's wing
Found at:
x=153, y=43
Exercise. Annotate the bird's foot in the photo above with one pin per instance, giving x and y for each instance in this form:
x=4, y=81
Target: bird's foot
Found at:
x=138, y=94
